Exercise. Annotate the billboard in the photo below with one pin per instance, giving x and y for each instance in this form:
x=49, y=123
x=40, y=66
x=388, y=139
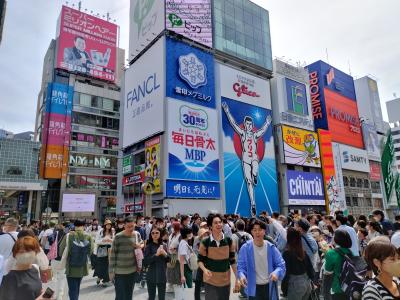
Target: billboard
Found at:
x=127, y=164
x=146, y=23
x=78, y=203
x=354, y=159
x=375, y=171
x=191, y=74
x=152, y=169
x=193, y=153
x=372, y=141
x=300, y=147
x=341, y=200
x=144, y=96
x=87, y=44
x=305, y=188
x=244, y=87
x=296, y=96
x=387, y=163
x=249, y=159
x=190, y=18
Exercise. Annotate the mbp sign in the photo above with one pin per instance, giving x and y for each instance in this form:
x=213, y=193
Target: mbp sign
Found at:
x=305, y=188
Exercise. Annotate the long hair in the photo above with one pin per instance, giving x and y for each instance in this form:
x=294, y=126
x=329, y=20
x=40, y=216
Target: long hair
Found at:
x=105, y=230
x=160, y=240
x=294, y=243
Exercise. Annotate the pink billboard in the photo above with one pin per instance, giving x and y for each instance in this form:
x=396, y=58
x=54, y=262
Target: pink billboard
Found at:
x=87, y=44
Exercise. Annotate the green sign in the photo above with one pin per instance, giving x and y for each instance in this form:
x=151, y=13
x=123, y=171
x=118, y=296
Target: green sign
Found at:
x=127, y=164
x=387, y=162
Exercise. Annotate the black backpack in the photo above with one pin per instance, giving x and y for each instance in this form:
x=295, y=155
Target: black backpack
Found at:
x=242, y=239
x=79, y=251
x=353, y=275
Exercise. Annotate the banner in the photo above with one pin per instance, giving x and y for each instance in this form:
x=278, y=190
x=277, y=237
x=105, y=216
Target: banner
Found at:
x=387, y=162
x=152, y=164
x=87, y=44
x=374, y=171
x=339, y=176
x=305, y=188
x=190, y=18
x=371, y=141
x=127, y=164
x=300, y=147
x=249, y=159
x=334, y=191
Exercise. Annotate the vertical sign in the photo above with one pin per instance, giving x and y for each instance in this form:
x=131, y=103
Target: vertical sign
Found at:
x=127, y=164
x=334, y=192
x=152, y=164
x=339, y=176
x=387, y=162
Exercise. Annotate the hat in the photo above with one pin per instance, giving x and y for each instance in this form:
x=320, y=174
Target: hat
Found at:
x=107, y=222
x=203, y=224
x=202, y=231
x=315, y=228
x=303, y=224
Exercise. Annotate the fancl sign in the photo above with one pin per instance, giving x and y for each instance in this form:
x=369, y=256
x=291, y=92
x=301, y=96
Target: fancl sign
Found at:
x=143, y=89
x=305, y=188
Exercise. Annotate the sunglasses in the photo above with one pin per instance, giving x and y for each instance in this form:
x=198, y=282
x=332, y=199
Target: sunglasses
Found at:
x=155, y=232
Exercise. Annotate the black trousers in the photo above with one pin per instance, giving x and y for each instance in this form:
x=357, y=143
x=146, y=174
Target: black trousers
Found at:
x=152, y=287
x=262, y=292
x=217, y=292
x=124, y=284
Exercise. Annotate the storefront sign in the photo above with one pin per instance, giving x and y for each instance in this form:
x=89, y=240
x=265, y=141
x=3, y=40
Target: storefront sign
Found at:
x=300, y=147
x=305, y=188
x=354, y=159
x=375, y=171
x=132, y=179
x=133, y=208
x=127, y=165
x=192, y=189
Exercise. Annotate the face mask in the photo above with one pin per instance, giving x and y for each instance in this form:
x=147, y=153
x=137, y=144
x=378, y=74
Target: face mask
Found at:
x=26, y=258
x=315, y=234
x=393, y=268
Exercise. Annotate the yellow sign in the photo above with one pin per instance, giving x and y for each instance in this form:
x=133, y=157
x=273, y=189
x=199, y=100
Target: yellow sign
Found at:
x=152, y=166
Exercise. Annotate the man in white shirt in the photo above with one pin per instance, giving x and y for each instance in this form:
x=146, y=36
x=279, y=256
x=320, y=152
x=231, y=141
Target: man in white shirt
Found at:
x=7, y=240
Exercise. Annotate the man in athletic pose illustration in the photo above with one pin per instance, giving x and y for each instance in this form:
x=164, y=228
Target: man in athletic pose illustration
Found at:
x=250, y=159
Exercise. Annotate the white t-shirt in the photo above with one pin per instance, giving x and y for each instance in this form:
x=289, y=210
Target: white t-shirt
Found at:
x=184, y=250
x=7, y=243
x=47, y=233
x=261, y=263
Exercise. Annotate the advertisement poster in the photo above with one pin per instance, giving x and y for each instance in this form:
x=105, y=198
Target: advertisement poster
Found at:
x=296, y=97
x=375, y=171
x=334, y=194
x=87, y=44
x=190, y=18
x=191, y=74
x=144, y=96
x=305, y=188
x=146, y=23
x=354, y=159
x=78, y=203
x=300, y=147
x=341, y=204
x=249, y=159
x=372, y=142
x=127, y=164
x=152, y=164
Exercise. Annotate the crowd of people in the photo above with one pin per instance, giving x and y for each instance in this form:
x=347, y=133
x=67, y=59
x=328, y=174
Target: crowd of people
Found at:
x=298, y=256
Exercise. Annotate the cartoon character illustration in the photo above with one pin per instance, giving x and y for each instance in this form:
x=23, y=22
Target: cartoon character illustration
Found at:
x=311, y=145
x=250, y=160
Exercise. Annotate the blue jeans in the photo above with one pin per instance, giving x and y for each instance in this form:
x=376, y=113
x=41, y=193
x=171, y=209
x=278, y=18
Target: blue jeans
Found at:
x=74, y=285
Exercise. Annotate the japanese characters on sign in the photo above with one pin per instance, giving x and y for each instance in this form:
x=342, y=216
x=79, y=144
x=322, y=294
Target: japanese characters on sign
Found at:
x=192, y=189
x=300, y=147
x=190, y=18
x=87, y=44
x=191, y=74
x=127, y=164
x=340, y=203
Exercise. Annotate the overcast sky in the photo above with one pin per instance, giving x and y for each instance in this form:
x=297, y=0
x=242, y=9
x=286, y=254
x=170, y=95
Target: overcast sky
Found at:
x=360, y=35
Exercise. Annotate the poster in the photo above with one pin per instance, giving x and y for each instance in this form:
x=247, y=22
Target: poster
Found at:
x=305, y=188
x=372, y=141
x=341, y=199
x=87, y=44
x=127, y=164
x=190, y=18
x=152, y=164
x=249, y=159
x=301, y=147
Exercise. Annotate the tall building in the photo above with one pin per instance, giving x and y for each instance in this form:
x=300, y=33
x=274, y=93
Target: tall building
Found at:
x=196, y=87
x=393, y=108
x=3, y=6
x=78, y=115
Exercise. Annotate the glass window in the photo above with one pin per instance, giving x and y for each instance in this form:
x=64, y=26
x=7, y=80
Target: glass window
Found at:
x=116, y=106
x=76, y=98
x=345, y=181
x=348, y=201
x=85, y=100
x=108, y=104
x=366, y=183
x=359, y=183
x=352, y=182
x=97, y=102
x=139, y=158
x=355, y=201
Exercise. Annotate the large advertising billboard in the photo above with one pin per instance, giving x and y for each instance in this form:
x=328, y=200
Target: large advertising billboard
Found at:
x=152, y=169
x=249, y=159
x=190, y=18
x=78, y=203
x=146, y=23
x=372, y=141
x=354, y=159
x=300, y=147
x=144, y=96
x=193, y=153
x=305, y=188
x=190, y=74
x=87, y=44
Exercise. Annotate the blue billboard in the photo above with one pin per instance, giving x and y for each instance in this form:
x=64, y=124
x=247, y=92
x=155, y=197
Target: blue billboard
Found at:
x=190, y=74
x=59, y=98
x=249, y=159
x=305, y=188
x=296, y=97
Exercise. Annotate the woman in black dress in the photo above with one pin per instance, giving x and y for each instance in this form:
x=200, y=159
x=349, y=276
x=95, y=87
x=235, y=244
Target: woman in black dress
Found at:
x=103, y=242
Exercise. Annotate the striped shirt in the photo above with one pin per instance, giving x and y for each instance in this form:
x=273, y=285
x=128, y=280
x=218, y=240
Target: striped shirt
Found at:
x=122, y=258
x=374, y=290
x=217, y=257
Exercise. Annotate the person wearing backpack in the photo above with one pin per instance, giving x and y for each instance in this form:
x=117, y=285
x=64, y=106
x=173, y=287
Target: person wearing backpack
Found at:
x=76, y=248
x=8, y=238
x=334, y=262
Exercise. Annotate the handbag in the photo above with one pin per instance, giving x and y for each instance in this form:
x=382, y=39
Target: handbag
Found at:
x=192, y=263
x=53, y=249
x=46, y=275
x=183, y=293
x=173, y=258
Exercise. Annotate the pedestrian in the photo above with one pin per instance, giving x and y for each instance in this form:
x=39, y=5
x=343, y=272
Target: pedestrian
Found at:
x=299, y=270
x=341, y=221
x=76, y=248
x=47, y=238
x=104, y=240
x=387, y=226
x=216, y=259
x=93, y=231
x=58, y=268
x=374, y=230
x=260, y=265
x=334, y=262
x=24, y=282
x=198, y=274
x=155, y=261
x=383, y=259
x=173, y=268
x=123, y=267
x=8, y=238
x=184, y=252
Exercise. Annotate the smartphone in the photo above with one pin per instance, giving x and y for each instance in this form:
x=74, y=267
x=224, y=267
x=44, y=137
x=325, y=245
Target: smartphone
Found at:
x=48, y=293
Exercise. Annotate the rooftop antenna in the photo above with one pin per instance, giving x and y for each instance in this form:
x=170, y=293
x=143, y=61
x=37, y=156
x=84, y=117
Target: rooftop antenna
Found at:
x=349, y=67
x=327, y=55
x=79, y=5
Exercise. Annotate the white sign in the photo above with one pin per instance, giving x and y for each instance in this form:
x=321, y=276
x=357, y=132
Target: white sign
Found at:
x=340, y=204
x=144, y=96
x=146, y=23
x=243, y=87
x=354, y=159
x=78, y=203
